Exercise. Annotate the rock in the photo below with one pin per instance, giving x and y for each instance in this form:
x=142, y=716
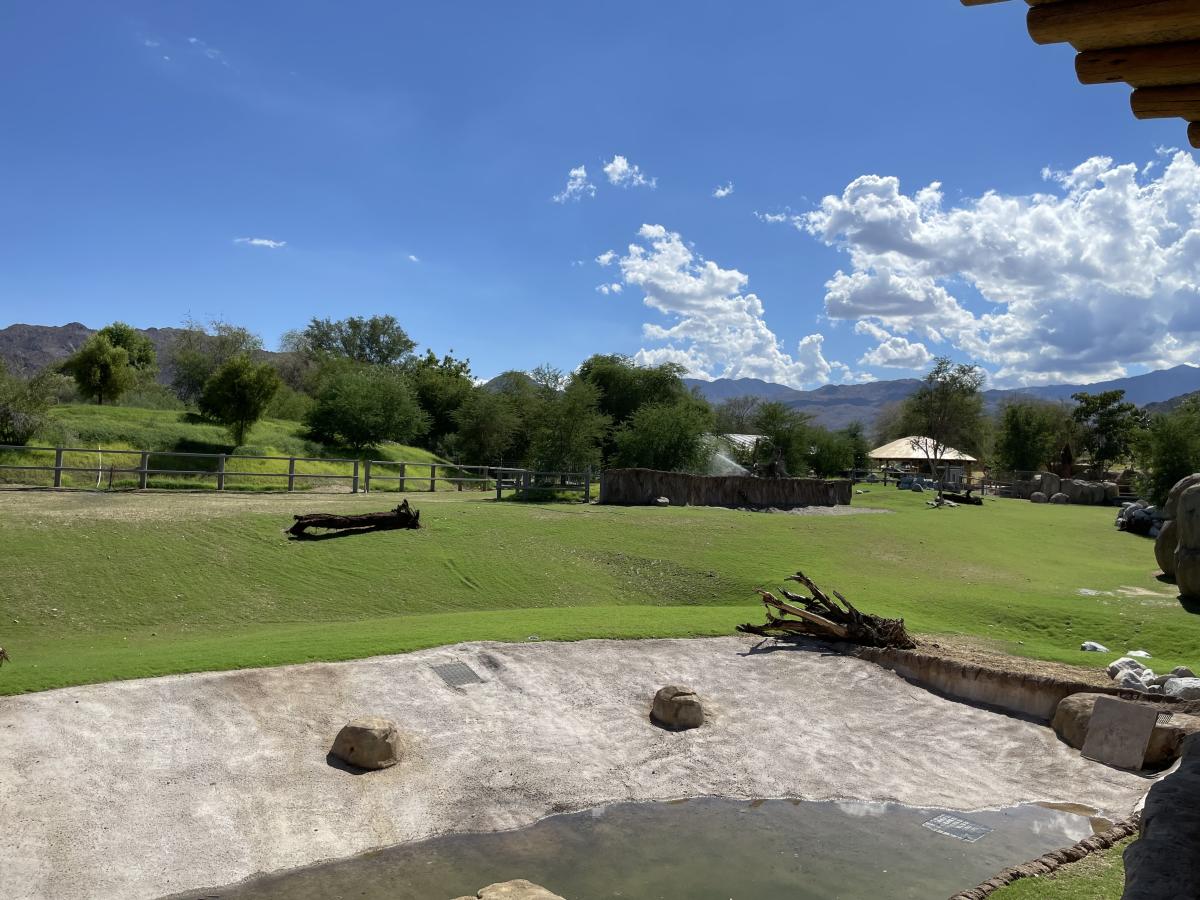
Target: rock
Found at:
x=1139, y=654
x=1183, y=672
x=1049, y=484
x=1130, y=680
x=1074, y=713
x=1164, y=547
x=368, y=743
x=1060, y=498
x=916, y=488
x=1093, y=647
x=1159, y=680
x=1187, y=552
x=1111, y=492
x=1170, y=509
x=1123, y=664
x=662, y=501
x=677, y=707
x=1183, y=688
x=1037, y=497
x=513, y=890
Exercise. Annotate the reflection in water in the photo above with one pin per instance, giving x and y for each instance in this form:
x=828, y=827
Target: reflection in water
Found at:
x=708, y=848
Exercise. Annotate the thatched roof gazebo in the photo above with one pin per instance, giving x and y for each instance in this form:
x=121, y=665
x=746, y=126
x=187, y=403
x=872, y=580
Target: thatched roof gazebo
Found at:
x=1151, y=45
x=916, y=449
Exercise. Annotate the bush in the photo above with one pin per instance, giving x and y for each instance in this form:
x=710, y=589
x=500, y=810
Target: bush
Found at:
x=363, y=406
x=1168, y=450
x=665, y=436
x=151, y=395
x=23, y=407
x=101, y=369
x=288, y=403
x=237, y=394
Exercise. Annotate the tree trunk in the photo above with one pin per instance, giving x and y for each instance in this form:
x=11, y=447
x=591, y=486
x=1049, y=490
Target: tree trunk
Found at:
x=402, y=516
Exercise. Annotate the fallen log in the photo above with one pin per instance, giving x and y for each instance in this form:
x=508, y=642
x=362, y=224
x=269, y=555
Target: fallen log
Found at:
x=402, y=516
x=825, y=617
x=963, y=498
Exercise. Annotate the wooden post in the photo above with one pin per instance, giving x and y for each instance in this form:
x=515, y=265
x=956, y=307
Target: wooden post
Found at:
x=354, y=479
x=221, y=472
x=499, y=482
x=143, y=474
x=587, y=485
x=433, y=476
x=58, y=466
x=367, y=476
x=291, y=474
x=402, y=479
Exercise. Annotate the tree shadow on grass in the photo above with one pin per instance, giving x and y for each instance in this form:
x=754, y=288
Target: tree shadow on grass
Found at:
x=330, y=535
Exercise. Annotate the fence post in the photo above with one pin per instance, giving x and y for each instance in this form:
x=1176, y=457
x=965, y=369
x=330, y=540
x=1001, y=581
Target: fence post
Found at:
x=221, y=472
x=291, y=474
x=587, y=485
x=402, y=479
x=499, y=476
x=433, y=476
x=367, y=476
x=354, y=479
x=143, y=473
x=58, y=466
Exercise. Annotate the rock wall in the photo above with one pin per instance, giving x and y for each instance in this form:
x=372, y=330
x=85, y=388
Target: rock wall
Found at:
x=1164, y=862
x=641, y=487
x=1072, y=490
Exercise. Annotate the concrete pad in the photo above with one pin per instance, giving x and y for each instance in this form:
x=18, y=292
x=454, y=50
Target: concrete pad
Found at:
x=1119, y=732
x=139, y=789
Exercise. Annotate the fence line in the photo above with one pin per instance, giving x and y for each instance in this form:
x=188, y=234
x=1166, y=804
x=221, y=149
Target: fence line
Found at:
x=362, y=475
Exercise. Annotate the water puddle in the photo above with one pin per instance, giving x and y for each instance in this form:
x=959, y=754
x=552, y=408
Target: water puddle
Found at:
x=699, y=849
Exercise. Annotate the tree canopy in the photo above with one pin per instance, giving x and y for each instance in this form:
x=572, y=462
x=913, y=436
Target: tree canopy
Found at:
x=238, y=393
x=374, y=341
x=101, y=370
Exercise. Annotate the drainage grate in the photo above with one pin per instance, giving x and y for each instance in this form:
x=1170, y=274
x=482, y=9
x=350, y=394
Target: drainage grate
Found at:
x=954, y=827
x=1164, y=719
x=457, y=674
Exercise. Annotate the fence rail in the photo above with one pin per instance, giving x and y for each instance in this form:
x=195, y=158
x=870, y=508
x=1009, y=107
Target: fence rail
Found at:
x=362, y=475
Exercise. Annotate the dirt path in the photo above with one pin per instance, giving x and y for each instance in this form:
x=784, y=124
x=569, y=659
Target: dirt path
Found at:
x=144, y=788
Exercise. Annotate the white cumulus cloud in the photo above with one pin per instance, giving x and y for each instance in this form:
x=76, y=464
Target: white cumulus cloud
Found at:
x=577, y=187
x=260, y=242
x=412, y=257
x=892, y=351
x=624, y=174
x=713, y=326
x=723, y=190
x=606, y=258
x=1099, y=272
x=614, y=288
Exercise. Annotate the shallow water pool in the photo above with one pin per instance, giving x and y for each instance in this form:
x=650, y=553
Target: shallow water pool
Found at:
x=699, y=849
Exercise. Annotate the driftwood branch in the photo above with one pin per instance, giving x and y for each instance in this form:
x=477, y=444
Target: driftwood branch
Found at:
x=819, y=615
x=403, y=516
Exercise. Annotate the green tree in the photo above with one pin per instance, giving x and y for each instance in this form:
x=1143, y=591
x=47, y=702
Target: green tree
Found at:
x=238, y=393
x=1168, y=449
x=197, y=351
x=736, y=415
x=783, y=446
x=566, y=428
x=141, y=351
x=441, y=385
x=856, y=439
x=1031, y=434
x=668, y=436
x=377, y=341
x=24, y=403
x=101, y=370
x=1110, y=425
x=486, y=424
x=829, y=453
x=945, y=412
x=365, y=405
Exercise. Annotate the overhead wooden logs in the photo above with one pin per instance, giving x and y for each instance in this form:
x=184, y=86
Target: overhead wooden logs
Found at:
x=1182, y=101
x=1194, y=134
x=1102, y=24
x=1157, y=65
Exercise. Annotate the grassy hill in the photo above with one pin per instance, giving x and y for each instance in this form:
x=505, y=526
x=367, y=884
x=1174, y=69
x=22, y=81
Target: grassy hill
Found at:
x=104, y=586
x=167, y=432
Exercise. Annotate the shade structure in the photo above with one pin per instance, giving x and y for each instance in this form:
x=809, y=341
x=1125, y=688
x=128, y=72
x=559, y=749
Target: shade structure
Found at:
x=1151, y=45
x=913, y=449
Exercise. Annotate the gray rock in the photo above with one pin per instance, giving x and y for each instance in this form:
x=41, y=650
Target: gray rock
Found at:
x=1170, y=509
x=1124, y=664
x=1037, y=497
x=1164, y=547
x=1183, y=672
x=916, y=488
x=520, y=889
x=1060, y=497
x=1093, y=647
x=662, y=501
x=1130, y=680
x=1187, y=551
x=1049, y=484
x=1183, y=688
x=1111, y=492
x=368, y=743
x=677, y=707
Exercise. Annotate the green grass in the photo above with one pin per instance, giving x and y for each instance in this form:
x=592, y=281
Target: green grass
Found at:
x=1098, y=876
x=102, y=586
x=111, y=429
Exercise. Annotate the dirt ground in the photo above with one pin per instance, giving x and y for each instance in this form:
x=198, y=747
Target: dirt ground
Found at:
x=144, y=788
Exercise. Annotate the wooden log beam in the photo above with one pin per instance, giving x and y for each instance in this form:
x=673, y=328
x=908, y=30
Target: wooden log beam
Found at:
x=1156, y=65
x=1182, y=101
x=1103, y=24
x=1194, y=134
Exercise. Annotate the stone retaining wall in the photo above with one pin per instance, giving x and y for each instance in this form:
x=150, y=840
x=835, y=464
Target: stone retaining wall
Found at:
x=1164, y=862
x=641, y=487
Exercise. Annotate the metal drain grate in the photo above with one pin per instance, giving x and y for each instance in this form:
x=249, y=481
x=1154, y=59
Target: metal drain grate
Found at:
x=457, y=674
x=953, y=826
x=1164, y=719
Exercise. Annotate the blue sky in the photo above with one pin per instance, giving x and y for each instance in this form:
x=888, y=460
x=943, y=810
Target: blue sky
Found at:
x=404, y=157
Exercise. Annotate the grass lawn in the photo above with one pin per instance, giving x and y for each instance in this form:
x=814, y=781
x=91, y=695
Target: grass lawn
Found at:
x=104, y=586
x=1098, y=876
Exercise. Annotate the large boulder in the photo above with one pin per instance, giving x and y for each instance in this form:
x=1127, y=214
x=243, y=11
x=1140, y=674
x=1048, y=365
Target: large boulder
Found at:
x=1164, y=547
x=1170, y=509
x=1183, y=688
x=1049, y=484
x=520, y=889
x=1038, y=497
x=368, y=743
x=1071, y=488
x=677, y=707
x=1112, y=492
x=1125, y=663
x=1060, y=497
x=1074, y=713
x=1187, y=551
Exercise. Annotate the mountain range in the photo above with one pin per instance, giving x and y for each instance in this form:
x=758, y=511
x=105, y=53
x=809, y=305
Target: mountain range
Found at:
x=837, y=405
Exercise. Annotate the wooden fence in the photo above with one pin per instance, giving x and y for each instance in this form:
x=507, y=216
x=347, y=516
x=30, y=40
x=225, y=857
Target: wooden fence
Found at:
x=639, y=487
x=141, y=469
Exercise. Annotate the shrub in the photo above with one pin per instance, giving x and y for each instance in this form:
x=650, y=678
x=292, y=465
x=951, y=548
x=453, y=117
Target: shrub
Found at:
x=665, y=436
x=363, y=406
x=288, y=403
x=1168, y=450
x=101, y=369
x=23, y=407
x=237, y=395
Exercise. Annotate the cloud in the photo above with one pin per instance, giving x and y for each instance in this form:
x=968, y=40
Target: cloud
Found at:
x=615, y=288
x=723, y=190
x=412, y=257
x=892, y=350
x=773, y=218
x=623, y=174
x=606, y=258
x=261, y=242
x=209, y=52
x=577, y=187
x=1099, y=272
x=714, y=328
